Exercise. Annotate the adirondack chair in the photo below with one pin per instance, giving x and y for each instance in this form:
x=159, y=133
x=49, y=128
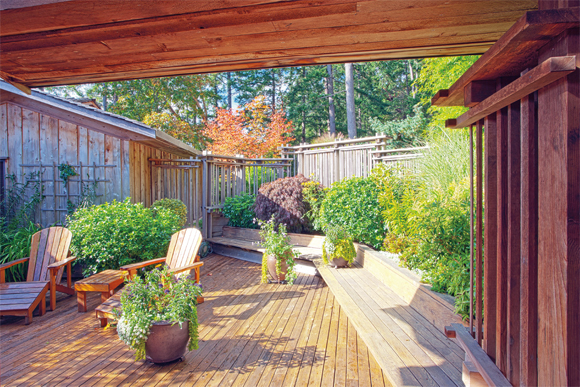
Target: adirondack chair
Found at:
x=181, y=257
x=48, y=256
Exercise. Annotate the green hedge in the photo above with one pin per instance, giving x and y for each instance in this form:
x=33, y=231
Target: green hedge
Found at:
x=114, y=234
x=240, y=211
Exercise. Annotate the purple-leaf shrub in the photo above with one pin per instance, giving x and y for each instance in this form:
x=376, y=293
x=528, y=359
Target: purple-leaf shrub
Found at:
x=283, y=199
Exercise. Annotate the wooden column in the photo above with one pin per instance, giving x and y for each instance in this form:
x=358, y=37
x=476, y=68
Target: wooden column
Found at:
x=529, y=242
x=490, y=240
x=502, y=245
x=513, y=246
x=559, y=221
x=479, y=230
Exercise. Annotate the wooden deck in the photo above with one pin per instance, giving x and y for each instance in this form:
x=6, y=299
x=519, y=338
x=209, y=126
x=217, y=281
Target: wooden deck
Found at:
x=245, y=340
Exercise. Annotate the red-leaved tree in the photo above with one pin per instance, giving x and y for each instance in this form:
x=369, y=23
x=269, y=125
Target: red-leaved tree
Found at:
x=254, y=131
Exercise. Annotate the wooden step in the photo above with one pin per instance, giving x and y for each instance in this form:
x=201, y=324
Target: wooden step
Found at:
x=410, y=350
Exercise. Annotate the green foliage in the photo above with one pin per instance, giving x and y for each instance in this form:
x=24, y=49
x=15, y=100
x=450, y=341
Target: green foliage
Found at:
x=337, y=244
x=21, y=201
x=313, y=194
x=159, y=296
x=175, y=205
x=276, y=242
x=437, y=74
x=15, y=244
x=408, y=132
x=66, y=171
x=353, y=204
x=283, y=200
x=114, y=234
x=427, y=216
x=240, y=210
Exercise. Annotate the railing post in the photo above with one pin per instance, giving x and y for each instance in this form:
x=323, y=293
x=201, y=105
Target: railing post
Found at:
x=206, y=196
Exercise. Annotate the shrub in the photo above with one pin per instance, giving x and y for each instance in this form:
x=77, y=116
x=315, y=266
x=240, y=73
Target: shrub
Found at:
x=313, y=194
x=114, y=234
x=283, y=199
x=353, y=204
x=240, y=210
x=174, y=205
x=337, y=244
x=15, y=244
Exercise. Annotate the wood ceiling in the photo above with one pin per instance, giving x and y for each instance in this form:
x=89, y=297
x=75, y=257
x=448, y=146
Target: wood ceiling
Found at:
x=56, y=42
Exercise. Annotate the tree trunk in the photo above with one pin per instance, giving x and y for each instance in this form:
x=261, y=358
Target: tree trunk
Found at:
x=273, y=89
x=104, y=102
x=229, y=80
x=330, y=93
x=350, y=116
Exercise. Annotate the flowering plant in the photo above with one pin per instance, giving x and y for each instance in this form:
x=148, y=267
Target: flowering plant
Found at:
x=338, y=244
x=276, y=242
x=158, y=296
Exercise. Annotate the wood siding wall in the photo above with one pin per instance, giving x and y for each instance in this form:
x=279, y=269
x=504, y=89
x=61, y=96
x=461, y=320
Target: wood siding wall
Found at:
x=31, y=138
x=149, y=184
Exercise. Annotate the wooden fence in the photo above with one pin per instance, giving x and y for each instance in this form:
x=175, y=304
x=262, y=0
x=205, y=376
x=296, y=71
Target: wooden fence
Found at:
x=333, y=161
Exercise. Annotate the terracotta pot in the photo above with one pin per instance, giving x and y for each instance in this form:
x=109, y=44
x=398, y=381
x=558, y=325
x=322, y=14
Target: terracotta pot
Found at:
x=272, y=269
x=339, y=262
x=166, y=342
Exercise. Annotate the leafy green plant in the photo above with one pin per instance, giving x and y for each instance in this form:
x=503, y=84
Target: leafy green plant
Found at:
x=21, y=201
x=337, y=244
x=404, y=133
x=158, y=296
x=114, y=234
x=66, y=171
x=313, y=194
x=15, y=244
x=240, y=210
x=174, y=205
x=283, y=200
x=276, y=242
x=353, y=204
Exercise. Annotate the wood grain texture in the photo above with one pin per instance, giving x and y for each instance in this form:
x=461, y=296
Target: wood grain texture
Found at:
x=529, y=242
x=173, y=38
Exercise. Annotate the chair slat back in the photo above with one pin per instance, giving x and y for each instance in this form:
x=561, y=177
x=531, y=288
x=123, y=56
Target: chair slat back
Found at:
x=183, y=248
x=48, y=246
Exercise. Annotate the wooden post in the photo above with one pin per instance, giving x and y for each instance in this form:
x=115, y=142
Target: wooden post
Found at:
x=529, y=242
x=559, y=220
x=502, y=230
x=471, y=230
x=513, y=246
x=479, y=231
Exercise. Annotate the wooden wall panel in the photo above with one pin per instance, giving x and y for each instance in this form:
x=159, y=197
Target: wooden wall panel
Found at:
x=3, y=131
x=30, y=138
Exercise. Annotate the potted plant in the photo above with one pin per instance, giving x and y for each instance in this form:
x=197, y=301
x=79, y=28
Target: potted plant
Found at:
x=338, y=247
x=278, y=258
x=159, y=315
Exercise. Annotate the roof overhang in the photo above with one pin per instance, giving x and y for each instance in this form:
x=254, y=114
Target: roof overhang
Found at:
x=55, y=42
x=95, y=119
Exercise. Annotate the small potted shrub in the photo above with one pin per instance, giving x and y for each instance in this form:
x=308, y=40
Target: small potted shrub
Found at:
x=338, y=248
x=159, y=315
x=278, y=258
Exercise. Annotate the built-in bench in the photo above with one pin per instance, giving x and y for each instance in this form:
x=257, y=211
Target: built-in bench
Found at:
x=399, y=318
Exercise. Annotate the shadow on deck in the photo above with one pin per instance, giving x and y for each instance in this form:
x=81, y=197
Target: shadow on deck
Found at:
x=251, y=334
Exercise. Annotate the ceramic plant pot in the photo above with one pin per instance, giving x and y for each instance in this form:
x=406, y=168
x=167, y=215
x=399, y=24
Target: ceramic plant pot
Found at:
x=272, y=269
x=339, y=262
x=166, y=342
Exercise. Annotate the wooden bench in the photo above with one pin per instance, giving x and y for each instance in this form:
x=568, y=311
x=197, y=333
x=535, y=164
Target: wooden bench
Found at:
x=407, y=346
x=104, y=282
x=109, y=309
x=21, y=298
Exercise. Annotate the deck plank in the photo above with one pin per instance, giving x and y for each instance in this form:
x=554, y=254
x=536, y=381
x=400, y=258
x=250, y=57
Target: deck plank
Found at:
x=264, y=334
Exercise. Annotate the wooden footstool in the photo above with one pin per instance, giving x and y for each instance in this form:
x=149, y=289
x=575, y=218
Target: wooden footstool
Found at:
x=21, y=298
x=104, y=282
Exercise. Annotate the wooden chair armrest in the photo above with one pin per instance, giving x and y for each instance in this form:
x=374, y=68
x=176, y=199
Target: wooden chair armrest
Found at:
x=138, y=265
x=59, y=264
x=186, y=268
x=5, y=266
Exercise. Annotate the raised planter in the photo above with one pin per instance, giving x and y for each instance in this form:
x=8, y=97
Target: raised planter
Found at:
x=166, y=342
